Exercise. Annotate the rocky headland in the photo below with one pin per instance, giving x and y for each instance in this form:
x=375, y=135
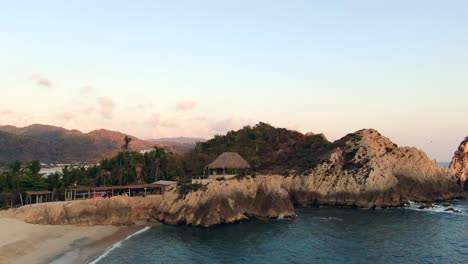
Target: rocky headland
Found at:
x=363, y=169
x=459, y=163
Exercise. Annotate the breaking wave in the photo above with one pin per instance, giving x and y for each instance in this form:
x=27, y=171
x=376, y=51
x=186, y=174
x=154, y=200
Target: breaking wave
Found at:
x=117, y=245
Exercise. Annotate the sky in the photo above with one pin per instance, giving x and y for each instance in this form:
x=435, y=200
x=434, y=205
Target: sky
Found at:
x=199, y=68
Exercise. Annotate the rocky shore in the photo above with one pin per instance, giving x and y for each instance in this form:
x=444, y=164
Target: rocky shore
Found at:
x=365, y=170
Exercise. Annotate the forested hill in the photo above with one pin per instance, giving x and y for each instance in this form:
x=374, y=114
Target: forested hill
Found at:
x=55, y=144
x=265, y=147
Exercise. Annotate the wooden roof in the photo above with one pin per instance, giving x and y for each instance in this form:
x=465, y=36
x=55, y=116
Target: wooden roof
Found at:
x=108, y=188
x=165, y=183
x=38, y=192
x=229, y=160
x=135, y=186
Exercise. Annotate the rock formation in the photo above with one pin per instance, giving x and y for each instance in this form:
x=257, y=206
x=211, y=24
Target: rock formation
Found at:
x=459, y=163
x=368, y=170
x=364, y=169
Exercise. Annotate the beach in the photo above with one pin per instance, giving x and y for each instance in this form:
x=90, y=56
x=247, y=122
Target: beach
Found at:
x=21, y=242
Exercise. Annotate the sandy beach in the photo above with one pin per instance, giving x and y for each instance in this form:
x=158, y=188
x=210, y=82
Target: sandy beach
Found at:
x=29, y=243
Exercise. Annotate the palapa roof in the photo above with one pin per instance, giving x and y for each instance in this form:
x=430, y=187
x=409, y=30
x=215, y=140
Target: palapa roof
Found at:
x=229, y=160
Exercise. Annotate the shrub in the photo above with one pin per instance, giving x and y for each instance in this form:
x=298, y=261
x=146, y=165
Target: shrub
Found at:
x=186, y=188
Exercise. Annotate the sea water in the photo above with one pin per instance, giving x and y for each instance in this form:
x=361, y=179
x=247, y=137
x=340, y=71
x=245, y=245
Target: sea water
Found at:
x=315, y=235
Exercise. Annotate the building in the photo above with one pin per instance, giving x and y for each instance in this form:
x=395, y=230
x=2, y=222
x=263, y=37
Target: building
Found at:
x=81, y=193
x=227, y=165
x=38, y=197
x=165, y=186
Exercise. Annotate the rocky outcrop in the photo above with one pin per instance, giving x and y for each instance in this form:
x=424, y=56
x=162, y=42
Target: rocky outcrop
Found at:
x=459, y=163
x=220, y=202
x=367, y=170
x=363, y=169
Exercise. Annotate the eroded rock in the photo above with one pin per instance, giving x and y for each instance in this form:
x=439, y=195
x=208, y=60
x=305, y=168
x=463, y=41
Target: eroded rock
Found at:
x=459, y=163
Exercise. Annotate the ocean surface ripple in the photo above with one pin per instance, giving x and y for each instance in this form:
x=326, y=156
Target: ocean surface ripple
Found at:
x=315, y=235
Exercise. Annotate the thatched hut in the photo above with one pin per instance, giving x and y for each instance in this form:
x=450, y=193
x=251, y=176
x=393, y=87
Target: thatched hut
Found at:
x=228, y=163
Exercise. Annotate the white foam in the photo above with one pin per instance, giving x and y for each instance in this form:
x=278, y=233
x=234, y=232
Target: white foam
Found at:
x=329, y=218
x=436, y=208
x=117, y=245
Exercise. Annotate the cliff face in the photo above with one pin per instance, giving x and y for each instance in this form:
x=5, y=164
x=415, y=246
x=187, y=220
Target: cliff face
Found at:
x=368, y=170
x=459, y=163
x=363, y=169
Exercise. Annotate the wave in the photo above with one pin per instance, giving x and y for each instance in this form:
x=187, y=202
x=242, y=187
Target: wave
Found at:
x=117, y=245
x=329, y=218
x=436, y=208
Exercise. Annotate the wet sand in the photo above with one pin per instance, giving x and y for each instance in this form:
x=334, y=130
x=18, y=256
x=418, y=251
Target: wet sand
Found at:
x=28, y=243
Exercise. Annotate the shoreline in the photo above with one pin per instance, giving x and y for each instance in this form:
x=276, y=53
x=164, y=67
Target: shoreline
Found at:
x=21, y=242
x=91, y=252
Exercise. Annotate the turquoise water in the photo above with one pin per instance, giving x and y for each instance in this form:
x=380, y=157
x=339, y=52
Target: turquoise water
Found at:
x=315, y=235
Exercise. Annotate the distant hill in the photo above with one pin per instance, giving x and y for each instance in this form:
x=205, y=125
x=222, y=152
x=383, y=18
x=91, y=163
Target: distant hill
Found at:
x=55, y=144
x=180, y=145
x=179, y=140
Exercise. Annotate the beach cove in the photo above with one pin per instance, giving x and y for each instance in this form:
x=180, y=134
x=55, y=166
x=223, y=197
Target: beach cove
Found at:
x=21, y=242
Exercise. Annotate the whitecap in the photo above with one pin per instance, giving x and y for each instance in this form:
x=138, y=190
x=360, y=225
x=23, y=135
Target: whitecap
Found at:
x=117, y=245
x=435, y=208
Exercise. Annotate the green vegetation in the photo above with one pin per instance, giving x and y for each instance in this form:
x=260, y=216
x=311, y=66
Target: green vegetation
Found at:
x=19, y=179
x=185, y=188
x=266, y=148
x=119, y=170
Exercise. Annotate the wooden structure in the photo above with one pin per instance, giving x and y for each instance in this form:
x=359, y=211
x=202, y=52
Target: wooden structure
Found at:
x=39, y=196
x=228, y=163
x=81, y=193
x=165, y=186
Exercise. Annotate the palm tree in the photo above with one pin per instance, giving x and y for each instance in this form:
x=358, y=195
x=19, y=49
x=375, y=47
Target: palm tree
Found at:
x=127, y=141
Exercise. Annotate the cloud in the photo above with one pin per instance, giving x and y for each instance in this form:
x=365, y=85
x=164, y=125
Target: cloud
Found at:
x=107, y=107
x=89, y=110
x=42, y=80
x=169, y=123
x=154, y=120
x=86, y=90
x=68, y=116
x=186, y=105
x=145, y=106
x=5, y=111
x=224, y=125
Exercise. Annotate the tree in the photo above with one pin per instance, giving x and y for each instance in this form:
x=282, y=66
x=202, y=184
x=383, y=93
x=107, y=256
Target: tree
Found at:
x=15, y=167
x=127, y=141
x=159, y=159
x=35, y=167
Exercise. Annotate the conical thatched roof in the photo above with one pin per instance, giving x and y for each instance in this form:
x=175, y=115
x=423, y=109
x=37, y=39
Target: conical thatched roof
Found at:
x=229, y=160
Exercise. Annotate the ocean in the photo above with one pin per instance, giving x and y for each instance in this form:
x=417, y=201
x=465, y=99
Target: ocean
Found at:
x=315, y=235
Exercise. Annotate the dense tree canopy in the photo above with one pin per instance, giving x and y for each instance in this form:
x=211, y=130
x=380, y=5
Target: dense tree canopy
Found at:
x=266, y=148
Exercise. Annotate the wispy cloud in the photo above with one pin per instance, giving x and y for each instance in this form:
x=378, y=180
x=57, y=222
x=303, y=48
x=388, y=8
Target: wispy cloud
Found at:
x=42, y=80
x=89, y=110
x=5, y=111
x=186, y=105
x=68, y=116
x=107, y=106
x=154, y=120
x=86, y=90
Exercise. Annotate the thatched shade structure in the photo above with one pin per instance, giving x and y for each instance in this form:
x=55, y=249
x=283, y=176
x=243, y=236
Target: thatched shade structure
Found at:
x=228, y=161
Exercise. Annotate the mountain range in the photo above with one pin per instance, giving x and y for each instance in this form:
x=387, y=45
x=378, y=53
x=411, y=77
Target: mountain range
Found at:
x=56, y=144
